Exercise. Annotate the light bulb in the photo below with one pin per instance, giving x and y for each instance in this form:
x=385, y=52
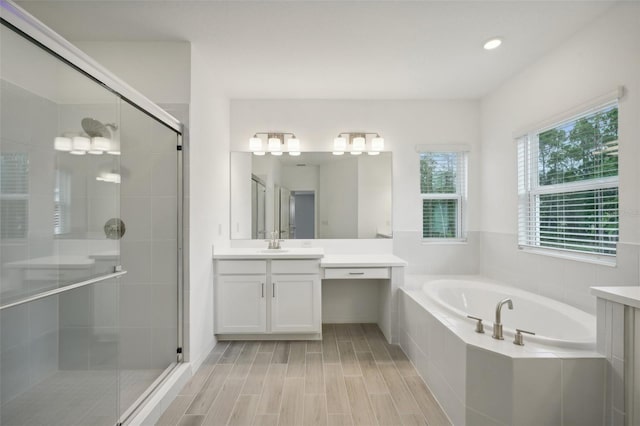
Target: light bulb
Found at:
x=276, y=153
x=62, y=143
x=373, y=152
x=294, y=153
x=259, y=153
x=293, y=145
x=80, y=144
x=255, y=144
x=358, y=145
x=274, y=145
x=339, y=145
x=493, y=43
x=377, y=144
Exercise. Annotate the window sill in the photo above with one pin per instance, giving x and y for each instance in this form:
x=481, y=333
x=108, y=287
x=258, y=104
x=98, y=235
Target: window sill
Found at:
x=439, y=241
x=567, y=255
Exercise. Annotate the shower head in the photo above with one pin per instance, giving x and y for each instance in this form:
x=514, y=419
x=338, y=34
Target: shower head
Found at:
x=93, y=128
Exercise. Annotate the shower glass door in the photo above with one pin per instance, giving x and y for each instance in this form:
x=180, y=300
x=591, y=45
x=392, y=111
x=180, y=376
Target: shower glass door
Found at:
x=89, y=204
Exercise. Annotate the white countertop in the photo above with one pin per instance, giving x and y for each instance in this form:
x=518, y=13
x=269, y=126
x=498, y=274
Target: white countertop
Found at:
x=61, y=262
x=627, y=295
x=361, y=261
x=262, y=253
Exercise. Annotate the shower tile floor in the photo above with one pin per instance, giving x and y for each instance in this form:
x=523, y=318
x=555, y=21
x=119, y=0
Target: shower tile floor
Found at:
x=83, y=398
x=351, y=377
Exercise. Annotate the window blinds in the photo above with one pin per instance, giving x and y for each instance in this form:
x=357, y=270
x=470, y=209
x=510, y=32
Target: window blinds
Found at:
x=443, y=188
x=568, y=185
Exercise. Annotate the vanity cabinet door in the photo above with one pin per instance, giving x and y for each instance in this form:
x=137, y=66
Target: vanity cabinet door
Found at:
x=295, y=304
x=241, y=305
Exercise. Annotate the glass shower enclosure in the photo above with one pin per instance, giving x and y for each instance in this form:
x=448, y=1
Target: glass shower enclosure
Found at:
x=90, y=242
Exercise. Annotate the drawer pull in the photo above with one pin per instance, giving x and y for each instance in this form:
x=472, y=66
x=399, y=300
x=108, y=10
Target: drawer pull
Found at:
x=273, y=290
x=356, y=273
x=263, y=290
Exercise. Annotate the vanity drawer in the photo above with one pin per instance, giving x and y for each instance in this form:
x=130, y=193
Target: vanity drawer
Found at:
x=356, y=273
x=295, y=266
x=242, y=267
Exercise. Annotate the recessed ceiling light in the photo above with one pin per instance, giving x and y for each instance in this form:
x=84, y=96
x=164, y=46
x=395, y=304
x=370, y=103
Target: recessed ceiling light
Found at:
x=493, y=43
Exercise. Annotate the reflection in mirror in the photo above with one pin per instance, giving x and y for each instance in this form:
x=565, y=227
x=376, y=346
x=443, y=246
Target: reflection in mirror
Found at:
x=315, y=195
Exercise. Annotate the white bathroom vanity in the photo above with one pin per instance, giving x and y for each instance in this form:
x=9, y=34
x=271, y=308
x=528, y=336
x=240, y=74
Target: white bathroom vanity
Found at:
x=264, y=294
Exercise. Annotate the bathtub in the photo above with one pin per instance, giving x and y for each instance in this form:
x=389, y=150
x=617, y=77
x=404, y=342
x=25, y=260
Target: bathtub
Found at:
x=555, y=323
x=481, y=380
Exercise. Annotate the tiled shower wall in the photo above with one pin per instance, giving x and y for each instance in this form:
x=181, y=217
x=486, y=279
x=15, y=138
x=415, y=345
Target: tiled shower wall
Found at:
x=29, y=346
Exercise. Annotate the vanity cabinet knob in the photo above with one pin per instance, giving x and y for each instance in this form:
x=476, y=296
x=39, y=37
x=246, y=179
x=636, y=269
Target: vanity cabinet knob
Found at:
x=479, y=325
x=519, y=338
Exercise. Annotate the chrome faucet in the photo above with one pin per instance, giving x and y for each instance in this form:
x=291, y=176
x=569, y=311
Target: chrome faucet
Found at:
x=274, y=241
x=497, y=325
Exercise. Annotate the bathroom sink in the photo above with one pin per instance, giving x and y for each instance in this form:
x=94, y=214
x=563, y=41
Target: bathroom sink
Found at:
x=274, y=251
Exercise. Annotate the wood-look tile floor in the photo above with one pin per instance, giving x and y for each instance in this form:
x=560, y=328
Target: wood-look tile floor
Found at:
x=351, y=377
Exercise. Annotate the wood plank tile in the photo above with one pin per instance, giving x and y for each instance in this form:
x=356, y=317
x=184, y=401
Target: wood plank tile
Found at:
x=292, y=407
x=191, y=420
x=204, y=399
x=314, y=346
x=272, y=391
x=231, y=353
x=361, y=410
x=328, y=329
x=399, y=391
x=329, y=348
x=195, y=383
x=315, y=410
x=216, y=353
x=297, y=351
x=257, y=373
x=360, y=344
x=223, y=405
x=281, y=353
x=174, y=411
x=267, y=347
x=428, y=404
x=355, y=330
x=350, y=366
x=342, y=332
x=384, y=409
x=373, y=379
x=337, y=400
x=339, y=420
x=314, y=375
x=265, y=420
x=372, y=330
x=244, y=410
x=404, y=366
x=414, y=420
x=379, y=348
x=244, y=361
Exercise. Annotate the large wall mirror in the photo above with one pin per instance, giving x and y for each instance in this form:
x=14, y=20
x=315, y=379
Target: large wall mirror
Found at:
x=314, y=195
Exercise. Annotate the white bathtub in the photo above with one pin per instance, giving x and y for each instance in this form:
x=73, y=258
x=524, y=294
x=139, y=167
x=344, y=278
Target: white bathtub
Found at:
x=555, y=323
x=480, y=380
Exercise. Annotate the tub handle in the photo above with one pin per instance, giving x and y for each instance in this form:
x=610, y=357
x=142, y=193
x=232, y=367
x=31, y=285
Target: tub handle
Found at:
x=479, y=325
x=519, y=338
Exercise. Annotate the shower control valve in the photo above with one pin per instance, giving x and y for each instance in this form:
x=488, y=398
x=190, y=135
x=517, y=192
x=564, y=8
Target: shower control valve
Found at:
x=479, y=325
x=519, y=338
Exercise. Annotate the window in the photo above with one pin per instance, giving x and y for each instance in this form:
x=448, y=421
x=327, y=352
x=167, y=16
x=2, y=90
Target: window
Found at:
x=443, y=190
x=62, y=203
x=568, y=185
x=14, y=195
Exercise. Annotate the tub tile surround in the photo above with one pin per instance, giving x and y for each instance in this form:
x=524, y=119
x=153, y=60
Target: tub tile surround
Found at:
x=481, y=381
x=561, y=279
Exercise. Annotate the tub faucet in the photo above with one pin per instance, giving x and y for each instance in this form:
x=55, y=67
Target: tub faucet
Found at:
x=497, y=325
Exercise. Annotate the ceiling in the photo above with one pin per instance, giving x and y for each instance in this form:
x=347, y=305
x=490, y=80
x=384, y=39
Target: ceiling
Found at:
x=337, y=50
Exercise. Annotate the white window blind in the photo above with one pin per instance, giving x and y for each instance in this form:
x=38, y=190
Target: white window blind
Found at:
x=568, y=184
x=443, y=183
x=14, y=195
x=62, y=203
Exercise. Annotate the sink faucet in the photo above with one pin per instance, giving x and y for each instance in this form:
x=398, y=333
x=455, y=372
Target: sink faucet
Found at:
x=274, y=241
x=497, y=325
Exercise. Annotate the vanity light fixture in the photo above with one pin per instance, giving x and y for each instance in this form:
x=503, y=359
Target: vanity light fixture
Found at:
x=493, y=43
x=358, y=141
x=275, y=142
x=80, y=145
x=99, y=145
x=62, y=143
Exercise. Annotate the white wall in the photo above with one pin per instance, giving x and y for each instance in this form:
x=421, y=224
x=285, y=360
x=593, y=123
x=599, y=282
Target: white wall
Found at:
x=374, y=195
x=241, y=202
x=403, y=124
x=593, y=62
